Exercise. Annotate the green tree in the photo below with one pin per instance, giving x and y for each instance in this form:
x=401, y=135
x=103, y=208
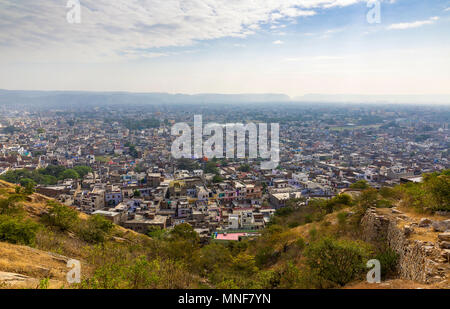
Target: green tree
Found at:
x=95, y=229
x=211, y=168
x=244, y=168
x=82, y=170
x=217, y=179
x=69, y=174
x=16, y=230
x=53, y=170
x=437, y=185
x=369, y=198
x=360, y=184
x=186, y=232
x=336, y=261
x=61, y=216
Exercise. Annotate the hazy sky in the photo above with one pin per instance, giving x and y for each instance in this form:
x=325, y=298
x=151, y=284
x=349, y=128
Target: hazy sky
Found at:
x=227, y=46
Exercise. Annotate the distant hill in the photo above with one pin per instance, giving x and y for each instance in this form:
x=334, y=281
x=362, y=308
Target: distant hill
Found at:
x=67, y=98
x=381, y=99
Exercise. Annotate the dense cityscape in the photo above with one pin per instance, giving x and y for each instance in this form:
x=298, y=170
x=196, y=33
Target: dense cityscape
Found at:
x=116, y=161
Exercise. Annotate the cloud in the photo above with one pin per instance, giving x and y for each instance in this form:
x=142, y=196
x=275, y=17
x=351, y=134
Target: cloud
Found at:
x=128, y=28
x=416, y=24
x=278, y=42
x=315, y=58
x=447, y=9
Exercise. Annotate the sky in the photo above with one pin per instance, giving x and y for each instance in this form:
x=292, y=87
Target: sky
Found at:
x=295, y=47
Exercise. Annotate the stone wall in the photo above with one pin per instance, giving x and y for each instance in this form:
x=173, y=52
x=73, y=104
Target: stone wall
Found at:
x=421, y=261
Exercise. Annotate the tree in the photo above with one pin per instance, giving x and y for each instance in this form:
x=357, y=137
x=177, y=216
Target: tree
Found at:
x=244, y=168
x=133, y=152
x=95, y=229
x=61, y=216
x=82, y=170
x=187, y=164
x=217, y=179
x=213, y=257
x=136, y=193
x=24, y=182
x=360, y=184
x=29, y=188
x=369, y=198
x=185, y=231
x=438, y=188
x=53, y=170
x=211, y=168
x=69, y=174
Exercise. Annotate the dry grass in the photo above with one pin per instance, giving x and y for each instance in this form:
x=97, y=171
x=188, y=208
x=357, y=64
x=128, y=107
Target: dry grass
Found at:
x=397, y=284
x=418, y=216
x=54, y=248
x=422, y=234
x=31, y=262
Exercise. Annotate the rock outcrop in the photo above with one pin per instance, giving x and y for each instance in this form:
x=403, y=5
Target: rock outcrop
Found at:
x=424, y=261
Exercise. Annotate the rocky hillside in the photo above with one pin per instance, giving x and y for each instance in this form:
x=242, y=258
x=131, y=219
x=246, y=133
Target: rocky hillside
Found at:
x=299, y=249
x=422, y=243
x=40, y=260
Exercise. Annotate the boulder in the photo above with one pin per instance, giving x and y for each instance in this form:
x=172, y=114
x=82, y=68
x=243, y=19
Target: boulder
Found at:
x=444, y=236
x=446, y=254
x=425, y=222
x=445, y=244
x=408, y=230
x=441, y=226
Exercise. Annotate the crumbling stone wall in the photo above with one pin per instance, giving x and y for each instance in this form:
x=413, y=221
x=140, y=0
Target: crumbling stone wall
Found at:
x=421, y=261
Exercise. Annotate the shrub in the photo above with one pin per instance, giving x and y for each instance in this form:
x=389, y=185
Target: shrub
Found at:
x=389, y=260
x=244, y=264
x=44, y=284
x=18, y=231
x=384, y=204
x=313, y=234
x=9, y=206
x=360, y=184
x=336, y=261
x=95, y=229
x=156, y=232
x=438, y=189
x=268, y=279
x=266, y=255
x=186, y=232
x=342, y=199
x=300, y=243
x=61, y=216
x=292, y=225
x=290, y=277
x=213, y=257
x=342, y=218
x=369, y=198
x=285, y=211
